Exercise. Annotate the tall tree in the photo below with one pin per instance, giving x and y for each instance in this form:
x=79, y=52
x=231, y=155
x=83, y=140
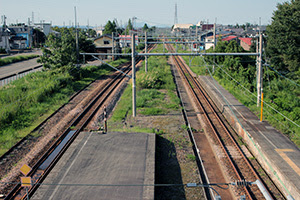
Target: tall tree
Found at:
x=145, y=27
x=61, y=50
x=283, y=41
x=129, y=27
x=110, y=27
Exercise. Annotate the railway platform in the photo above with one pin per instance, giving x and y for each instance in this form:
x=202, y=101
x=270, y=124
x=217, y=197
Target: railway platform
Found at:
x=276, y=153
x=103, y=166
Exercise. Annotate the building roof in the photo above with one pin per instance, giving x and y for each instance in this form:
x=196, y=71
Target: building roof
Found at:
x=102, y=36
x=230, y=37
x=247, y=40
x=211, y=37
x=183, y=26
x=127, y=37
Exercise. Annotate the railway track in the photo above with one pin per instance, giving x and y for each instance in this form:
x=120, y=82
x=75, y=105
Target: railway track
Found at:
x=48, y=160
x=238, y=166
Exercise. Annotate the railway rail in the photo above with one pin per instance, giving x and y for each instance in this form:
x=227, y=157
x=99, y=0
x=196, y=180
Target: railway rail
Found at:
x=48, y=160
x=239, y=167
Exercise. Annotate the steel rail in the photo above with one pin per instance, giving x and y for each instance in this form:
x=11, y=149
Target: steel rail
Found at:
x=111, y=87
x=228, y=133
x=53, y=147
x=221, y=122
x=190, y=81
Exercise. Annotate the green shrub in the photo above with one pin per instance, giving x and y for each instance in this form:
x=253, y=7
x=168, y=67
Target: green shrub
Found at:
x=26, y=100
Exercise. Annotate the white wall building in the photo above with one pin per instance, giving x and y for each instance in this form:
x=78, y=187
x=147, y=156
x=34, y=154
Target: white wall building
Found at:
x=44, y=27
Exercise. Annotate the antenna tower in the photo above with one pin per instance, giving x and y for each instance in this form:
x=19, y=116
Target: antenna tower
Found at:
x=175, y=18
x=32, y=18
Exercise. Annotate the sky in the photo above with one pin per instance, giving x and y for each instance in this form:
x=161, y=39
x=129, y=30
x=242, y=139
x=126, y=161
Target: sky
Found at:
x=153, y=12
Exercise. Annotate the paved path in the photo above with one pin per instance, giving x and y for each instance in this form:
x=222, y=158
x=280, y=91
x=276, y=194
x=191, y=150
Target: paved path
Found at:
x=18, y=67
x=33, y=52
x=112, y=159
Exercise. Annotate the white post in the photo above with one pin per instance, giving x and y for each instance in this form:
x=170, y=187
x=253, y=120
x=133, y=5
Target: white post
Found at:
x=215, y=42
x=133, y=74
x=76, y=35
x=259, y=72
x=113, y=45
x=146, y=57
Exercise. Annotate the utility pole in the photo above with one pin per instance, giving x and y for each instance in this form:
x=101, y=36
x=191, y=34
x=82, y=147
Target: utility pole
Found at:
x=215, y=42
x=196, y=32
x=76, y=35
x=146, y=57
x=133, y=74
x=175, y=17
x=32, y=18
x=259, y=72
x=113, y=47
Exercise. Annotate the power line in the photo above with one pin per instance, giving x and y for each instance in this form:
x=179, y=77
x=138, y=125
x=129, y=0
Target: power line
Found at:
x=254, y=95
x=281, y=74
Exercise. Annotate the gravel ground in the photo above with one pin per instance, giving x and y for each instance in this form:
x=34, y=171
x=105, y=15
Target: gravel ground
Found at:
x=175, y=163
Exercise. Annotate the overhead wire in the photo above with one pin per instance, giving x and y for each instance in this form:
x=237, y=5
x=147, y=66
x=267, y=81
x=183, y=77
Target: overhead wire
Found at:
x=265, y=103
x=248, y=135
x=266, y=64
x=269, y=66
x=219, y=185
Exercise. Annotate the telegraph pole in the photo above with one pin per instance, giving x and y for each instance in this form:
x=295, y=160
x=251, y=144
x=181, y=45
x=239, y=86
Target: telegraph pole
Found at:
x=113, y=46
x=259, y=72
x=215, y=42
x=76, y=35
x=175, y=17
x=133, y=74
x=146, y=57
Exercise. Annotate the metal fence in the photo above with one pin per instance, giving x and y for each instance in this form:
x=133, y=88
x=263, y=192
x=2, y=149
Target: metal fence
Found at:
x=8, y=79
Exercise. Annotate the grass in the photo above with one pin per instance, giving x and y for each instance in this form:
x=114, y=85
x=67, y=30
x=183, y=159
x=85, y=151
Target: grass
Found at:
x=191, y=157
x=9, y=60
x=155, y=91
x=156, y=97
x=26, y=102
x=279, y=93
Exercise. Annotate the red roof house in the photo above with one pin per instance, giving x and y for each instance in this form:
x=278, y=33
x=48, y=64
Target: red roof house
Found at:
x=229, y=38
x=246, y=43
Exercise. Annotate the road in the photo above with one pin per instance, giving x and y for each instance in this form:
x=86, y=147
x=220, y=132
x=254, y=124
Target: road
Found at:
x=14, y=68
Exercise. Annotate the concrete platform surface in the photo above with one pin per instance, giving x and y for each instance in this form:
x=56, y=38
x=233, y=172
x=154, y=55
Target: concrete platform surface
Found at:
x=276, y=153
x=103, y=159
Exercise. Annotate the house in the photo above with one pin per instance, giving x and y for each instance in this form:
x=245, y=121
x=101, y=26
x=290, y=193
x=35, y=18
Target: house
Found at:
x=18, y=42
x=44, y=27
x=182, y=28
x=230, y=38
x=205, y=35
x=20, y=36
x=105, y=44
x=209, y=41
x=246, y=43
x=206, y=27
x=99, y=30
x=4, y=39
x=125, y=40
